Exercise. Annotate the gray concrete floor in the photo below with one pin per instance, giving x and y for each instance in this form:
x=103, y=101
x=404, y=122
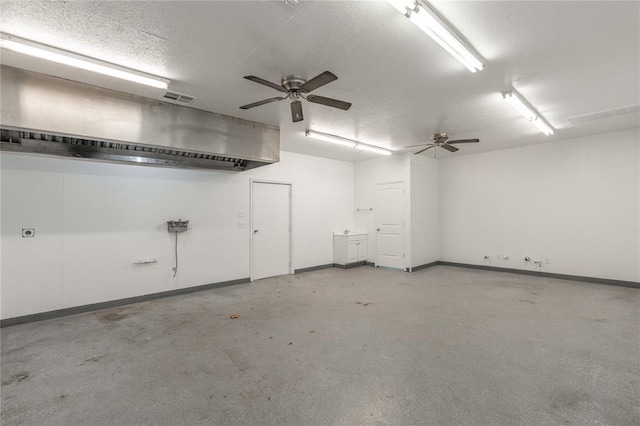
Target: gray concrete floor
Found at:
x=443, y=345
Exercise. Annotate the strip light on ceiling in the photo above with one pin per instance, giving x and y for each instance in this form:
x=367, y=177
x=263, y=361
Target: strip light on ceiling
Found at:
x=67, y=58
x=347, y=142
x=519, y=104
x=425, y=18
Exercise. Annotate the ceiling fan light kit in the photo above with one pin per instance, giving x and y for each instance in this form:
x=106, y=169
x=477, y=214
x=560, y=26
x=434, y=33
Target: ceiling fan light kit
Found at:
x=52, y=54
x=428, y=20
x=346, y=142
x=529, y=112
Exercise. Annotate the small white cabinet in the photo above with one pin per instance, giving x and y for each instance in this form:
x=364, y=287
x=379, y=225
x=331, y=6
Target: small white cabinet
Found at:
x=350, y=249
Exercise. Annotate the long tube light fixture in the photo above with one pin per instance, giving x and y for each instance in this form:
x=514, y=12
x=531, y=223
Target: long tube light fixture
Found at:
x=346, y=142
x=523, y=107
x=72, y=59
x=428, y=20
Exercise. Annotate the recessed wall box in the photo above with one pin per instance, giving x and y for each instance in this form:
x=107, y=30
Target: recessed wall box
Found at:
x=177, y=225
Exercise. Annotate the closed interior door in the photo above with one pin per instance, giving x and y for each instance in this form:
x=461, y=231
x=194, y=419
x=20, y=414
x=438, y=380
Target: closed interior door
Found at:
x=390, y=225
x=271, y=230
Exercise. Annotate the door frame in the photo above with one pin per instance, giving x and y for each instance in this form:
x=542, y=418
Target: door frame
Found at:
x=272, y=182
x=404, y=222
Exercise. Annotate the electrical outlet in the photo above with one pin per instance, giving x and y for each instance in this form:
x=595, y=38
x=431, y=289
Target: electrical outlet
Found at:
x=505, y=256
x=241, y=224
x=547, y=261
x=28, y=232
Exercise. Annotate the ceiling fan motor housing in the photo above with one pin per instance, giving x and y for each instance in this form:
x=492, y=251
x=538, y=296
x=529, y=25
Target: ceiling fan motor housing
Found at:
x=439, y=138
x=293, y=82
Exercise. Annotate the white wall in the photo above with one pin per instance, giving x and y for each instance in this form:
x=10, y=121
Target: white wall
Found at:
x=425, y=225
x=93, y=220
x=367, y=174
x=575, y=202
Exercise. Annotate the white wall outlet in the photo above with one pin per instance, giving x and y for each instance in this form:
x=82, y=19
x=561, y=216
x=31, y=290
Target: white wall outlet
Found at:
x=505, y=256
x=241, y=224
x=547, y=261
x=241, y=213
x=28, y=232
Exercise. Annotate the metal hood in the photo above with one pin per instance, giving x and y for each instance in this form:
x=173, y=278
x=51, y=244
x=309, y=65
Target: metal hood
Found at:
x=49, y=115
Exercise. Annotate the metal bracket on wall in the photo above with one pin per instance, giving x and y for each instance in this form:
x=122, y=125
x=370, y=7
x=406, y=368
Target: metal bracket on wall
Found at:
x=177, y=225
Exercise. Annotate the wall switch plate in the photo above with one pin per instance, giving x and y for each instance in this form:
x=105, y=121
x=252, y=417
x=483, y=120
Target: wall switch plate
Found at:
x=241, y=225
x=241, y=213
x=28, y=232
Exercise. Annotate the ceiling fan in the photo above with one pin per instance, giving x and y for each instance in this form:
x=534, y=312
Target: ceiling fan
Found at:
x=297, y=87
x=441, y=140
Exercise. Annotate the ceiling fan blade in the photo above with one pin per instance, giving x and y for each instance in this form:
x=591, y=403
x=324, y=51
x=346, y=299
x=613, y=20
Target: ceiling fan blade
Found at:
x=266, y=83
x=465, y=141
x=318, y=81
x=420, y=144
x=265, y=101
x=329, y=102
x=423, y=150
x=296, y=111
x=449, y=148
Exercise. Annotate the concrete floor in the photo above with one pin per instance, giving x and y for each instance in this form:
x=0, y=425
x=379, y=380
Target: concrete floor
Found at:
x=443, y=345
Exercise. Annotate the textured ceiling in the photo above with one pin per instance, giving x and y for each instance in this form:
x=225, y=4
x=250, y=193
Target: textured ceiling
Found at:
x=567, y=58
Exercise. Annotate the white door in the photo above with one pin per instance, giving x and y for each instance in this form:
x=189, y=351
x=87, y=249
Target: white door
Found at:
x=271, y=230
x=390, y=225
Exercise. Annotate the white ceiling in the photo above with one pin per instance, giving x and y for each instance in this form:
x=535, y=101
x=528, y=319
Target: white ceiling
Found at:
x=567, y=58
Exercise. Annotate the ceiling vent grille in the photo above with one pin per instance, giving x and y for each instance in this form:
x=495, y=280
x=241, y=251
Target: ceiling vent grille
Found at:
x=177, y=98
x=579, y=119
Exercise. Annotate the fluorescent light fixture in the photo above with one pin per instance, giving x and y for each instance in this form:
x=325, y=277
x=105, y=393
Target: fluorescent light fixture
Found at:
x=328, y=138
x=427, y=19
x=346, y=142
x=74, y=60
x=519, y=104
x=542, y=126
x=375, y=149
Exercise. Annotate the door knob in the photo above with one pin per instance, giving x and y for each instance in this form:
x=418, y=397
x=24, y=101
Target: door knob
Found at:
x=255, y=231
x=378, y=229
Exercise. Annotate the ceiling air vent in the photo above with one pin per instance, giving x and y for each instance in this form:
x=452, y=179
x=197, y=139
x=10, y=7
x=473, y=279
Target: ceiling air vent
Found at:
x=177, y=97
x=579, y=119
